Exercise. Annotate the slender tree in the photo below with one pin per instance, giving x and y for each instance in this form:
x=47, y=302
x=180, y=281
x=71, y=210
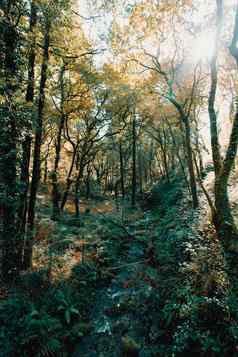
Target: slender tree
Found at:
x=133, y=180
x=222, y=215
x=26, y=144
x=37, y=144
x=55, y=189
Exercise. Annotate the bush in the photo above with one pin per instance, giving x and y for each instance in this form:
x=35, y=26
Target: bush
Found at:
x=48, y=327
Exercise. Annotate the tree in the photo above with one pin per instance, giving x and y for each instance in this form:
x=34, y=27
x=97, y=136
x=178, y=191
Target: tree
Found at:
x=26, y=144
x=134, y=157
x=54, y=175
x=222, y=215
x=10, y=115
x=51, y=13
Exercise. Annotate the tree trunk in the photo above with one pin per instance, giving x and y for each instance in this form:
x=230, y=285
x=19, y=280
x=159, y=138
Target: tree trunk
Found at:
x=45, y=176
x=184, y=121
x=133, y=183
x=68, y=181
x=164, y=155
x=140, y=170
x=176, y=150
x=222, y=218
x=77, y=193
x=55, y=189
x=26, y=145
x=37, y=150
x=121, y=171
x=150, y=162
x=189, y=152
x=88, y=186
x=106, y=183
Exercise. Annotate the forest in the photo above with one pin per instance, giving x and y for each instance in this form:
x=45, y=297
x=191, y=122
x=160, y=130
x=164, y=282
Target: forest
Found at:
x=118, y=178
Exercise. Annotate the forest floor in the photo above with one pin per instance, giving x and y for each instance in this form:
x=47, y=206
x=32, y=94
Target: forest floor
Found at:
x=127, y=282
x=152, y=260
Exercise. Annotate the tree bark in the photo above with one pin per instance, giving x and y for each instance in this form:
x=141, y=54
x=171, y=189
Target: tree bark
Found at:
x=68, y=181
x=121, y=171
x=140, y=170
x=55, y=189
x=37, y=149
x=77, y=193
x=176, y=147
x=133, y=182
x=88, y=186
x=222, y=217
x=192, y=178
x=26, y=145
x=185, y=120
x=164, y=155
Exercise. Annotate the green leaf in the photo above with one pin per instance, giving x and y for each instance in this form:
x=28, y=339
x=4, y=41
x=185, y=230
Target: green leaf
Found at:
x=74, y=311
x=34, y=313
x=67, y=316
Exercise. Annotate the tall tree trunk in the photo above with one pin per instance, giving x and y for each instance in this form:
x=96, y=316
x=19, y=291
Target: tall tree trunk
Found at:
x=88, y=186
x=176, y=149
x=198, y=151
x=140, y=170
x=26, y=145
x=76, y=192
x=98, y=175
x=80, y=165
x=150, y=162
x=45, y=175
x=133, y=182
x=189, y=152
x=185, y=127
x=121, y=171
x=164, y=155
x=68, y=180
x=37, y=149
x=55, y=189
x=222, y=218
x=106, y=183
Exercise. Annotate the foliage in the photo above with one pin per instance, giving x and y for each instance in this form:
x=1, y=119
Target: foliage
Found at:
x=48, y=323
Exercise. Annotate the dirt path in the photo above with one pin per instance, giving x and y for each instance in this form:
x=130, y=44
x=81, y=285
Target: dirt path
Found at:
x=114, y=318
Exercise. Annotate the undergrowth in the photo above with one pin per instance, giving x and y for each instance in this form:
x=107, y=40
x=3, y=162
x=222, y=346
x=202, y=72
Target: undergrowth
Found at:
x=182, y=302
x=194, y=312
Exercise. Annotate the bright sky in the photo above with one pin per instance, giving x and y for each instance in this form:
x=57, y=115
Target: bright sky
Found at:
x=199, y=46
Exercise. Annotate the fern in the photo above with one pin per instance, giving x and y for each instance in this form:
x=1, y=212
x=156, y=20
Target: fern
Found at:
x=51, y=347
